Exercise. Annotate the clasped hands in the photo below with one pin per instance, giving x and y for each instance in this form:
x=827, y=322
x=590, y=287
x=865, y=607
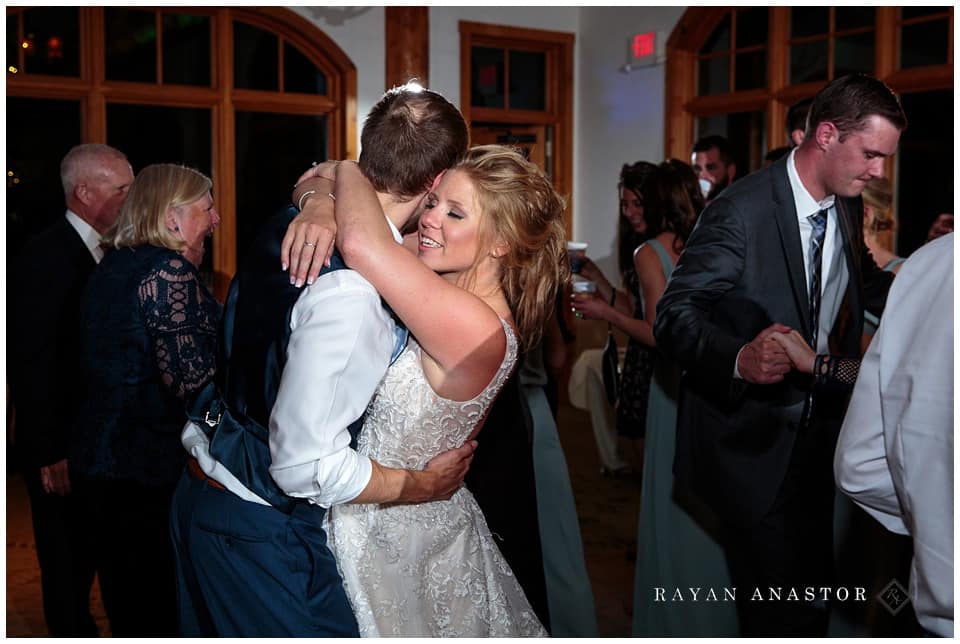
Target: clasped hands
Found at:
x=771, y=355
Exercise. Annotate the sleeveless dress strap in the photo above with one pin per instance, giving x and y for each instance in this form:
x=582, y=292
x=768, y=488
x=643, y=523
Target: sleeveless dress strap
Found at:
x=893, y=263
x=665, y=260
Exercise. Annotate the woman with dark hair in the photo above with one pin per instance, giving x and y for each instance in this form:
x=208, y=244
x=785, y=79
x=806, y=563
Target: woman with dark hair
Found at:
x=674, y=546
x=620, y=308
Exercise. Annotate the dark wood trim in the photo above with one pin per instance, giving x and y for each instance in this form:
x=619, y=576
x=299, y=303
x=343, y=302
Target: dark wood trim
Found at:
x=746, y=101
x=493, y=115
x=558, y=47
x=94, y=92
x=683, y=106
x=224, y=155
x=407, y=50
x=514, y=35
x=261, y=101
x=921, y=79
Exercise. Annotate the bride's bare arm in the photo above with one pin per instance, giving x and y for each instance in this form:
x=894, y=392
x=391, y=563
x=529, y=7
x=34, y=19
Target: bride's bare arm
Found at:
x=459, y=331
x=308, y=242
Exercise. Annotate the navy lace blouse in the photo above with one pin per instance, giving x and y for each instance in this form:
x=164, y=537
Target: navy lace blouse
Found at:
x=149, y=333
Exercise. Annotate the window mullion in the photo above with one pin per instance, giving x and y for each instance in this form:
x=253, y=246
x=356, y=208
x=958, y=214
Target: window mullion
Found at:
x=158, y=25
x=95, y=118
x=280, y=41
x=21, y=53
x=732, y=70
x=886, y=57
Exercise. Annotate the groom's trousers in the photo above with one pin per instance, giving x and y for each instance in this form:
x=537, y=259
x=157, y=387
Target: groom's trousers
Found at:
x=246, y=569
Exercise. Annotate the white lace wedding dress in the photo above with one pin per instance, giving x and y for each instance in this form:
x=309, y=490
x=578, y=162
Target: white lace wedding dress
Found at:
x=431, y=569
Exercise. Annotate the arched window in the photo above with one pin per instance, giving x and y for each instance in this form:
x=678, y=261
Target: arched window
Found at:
x=735, y=71
x=249, y=96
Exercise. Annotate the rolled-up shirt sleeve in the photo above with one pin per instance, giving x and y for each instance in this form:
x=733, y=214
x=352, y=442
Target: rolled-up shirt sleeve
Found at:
x=340, y=346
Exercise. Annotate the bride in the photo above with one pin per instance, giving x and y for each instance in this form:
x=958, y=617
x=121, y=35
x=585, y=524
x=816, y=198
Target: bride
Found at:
x=490, y=264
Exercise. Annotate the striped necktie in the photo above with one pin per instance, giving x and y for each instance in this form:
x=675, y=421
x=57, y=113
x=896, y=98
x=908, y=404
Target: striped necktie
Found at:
x=819, y=223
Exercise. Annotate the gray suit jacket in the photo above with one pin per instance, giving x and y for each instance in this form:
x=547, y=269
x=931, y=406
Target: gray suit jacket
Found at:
x=741, y=271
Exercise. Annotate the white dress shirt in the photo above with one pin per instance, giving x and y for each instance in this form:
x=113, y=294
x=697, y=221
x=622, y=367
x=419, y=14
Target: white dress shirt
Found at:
x=834, y=275
x=90, y=237
x=894, y=456
x=340, y=346
x=833, y=272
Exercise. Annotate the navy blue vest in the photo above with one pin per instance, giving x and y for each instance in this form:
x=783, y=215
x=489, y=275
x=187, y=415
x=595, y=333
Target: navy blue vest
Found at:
x=254, y=334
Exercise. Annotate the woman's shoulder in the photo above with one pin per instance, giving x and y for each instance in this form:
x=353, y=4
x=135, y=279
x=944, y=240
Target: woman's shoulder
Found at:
x=645, y=254
x=166, y=262
x=655, y=254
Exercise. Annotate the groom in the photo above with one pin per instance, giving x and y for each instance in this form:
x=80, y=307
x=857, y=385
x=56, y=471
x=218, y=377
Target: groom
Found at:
x=247, y=515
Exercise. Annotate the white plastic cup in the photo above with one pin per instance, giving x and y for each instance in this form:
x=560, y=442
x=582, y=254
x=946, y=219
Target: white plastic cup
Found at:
x=583, y=286
x=577, y=252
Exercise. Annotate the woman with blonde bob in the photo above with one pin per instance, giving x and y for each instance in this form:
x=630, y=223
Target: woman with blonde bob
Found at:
x=148, y=329
x=490, y=259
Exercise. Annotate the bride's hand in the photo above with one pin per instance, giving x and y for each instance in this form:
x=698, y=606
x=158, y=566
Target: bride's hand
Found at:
x=325, y=170
x=308, y=242
x=799, y=352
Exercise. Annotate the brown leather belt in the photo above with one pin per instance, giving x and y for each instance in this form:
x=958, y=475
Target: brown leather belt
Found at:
x=193, y=466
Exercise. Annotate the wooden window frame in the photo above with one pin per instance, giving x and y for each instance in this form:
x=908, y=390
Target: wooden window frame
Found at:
x=683, y=106
x=94, y=91
x=558, y=112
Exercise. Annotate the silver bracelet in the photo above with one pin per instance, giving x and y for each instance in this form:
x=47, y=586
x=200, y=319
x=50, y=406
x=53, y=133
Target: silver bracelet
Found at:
x=300, y=202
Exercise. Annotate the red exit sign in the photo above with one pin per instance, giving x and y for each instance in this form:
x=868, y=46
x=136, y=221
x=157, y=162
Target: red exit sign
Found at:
x=644, y=45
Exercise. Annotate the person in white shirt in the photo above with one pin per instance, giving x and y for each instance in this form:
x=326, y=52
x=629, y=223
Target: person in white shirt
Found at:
x=894, y=456
x=298, y=369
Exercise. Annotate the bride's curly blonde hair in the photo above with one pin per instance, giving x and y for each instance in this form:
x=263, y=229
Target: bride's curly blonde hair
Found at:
x=521, y=209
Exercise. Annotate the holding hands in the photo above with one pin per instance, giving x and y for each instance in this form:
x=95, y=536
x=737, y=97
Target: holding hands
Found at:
x=773, y=353
x=801, y=355
x=764, y=361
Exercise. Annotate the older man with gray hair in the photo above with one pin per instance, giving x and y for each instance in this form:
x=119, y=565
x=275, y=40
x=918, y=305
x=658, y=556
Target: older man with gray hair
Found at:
x=44, y=318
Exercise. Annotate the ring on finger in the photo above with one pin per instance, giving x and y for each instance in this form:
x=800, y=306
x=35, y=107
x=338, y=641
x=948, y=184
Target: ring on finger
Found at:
x=310, y=244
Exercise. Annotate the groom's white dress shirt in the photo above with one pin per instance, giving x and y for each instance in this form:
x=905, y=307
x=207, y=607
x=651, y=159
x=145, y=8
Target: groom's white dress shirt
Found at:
x=340, y=346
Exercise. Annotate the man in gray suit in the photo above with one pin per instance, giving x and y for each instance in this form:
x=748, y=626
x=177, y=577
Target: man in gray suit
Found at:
x=755, y=440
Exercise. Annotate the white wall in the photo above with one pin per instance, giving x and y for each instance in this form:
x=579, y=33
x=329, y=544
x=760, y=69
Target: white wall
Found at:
x=618, y=117
x=359, y=32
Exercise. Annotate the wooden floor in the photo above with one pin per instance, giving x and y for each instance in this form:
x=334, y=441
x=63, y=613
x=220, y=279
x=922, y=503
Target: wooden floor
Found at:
x=608, y=519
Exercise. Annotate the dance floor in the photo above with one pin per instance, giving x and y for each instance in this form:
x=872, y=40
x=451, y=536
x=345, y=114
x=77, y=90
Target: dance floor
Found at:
x=608, y=520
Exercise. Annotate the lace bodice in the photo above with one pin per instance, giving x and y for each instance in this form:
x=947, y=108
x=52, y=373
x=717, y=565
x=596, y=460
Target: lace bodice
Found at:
x=149, y=342
x=407, y=423
x=428, y=569
x=181, y=317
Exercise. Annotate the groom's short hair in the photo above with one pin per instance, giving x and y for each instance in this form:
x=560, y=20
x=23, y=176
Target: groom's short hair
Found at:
x=410, y=136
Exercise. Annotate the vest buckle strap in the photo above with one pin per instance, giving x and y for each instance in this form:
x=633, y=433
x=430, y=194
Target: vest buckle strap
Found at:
x=212, y=422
